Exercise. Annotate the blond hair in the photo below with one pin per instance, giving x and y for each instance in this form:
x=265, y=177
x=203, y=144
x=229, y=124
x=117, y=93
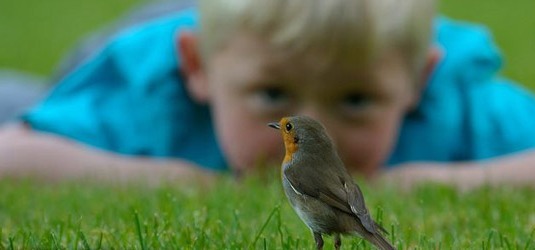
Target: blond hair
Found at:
x=340, y=28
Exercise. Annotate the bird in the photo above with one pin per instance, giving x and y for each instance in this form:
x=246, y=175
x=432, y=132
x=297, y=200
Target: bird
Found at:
x=319, y=188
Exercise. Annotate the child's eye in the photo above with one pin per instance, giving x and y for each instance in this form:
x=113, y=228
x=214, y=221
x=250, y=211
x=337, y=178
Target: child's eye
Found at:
x=355, y=100
x=356, y=106
x=272, y=95
x=270, y=99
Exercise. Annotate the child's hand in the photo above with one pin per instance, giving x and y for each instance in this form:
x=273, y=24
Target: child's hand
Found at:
x=53, y=158
x=514, y=170
x=460, y=175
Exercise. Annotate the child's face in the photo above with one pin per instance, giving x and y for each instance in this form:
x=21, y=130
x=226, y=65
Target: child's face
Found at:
x=251, y=84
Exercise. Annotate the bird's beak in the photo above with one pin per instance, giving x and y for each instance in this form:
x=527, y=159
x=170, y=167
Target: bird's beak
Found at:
x=274, y=125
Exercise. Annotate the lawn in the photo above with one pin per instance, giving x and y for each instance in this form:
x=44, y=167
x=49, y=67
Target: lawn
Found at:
x=253, y=213
x=250, y=214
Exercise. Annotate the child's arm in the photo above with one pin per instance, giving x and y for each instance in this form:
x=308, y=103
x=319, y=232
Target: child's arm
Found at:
x=513, y=170
x=25, y=153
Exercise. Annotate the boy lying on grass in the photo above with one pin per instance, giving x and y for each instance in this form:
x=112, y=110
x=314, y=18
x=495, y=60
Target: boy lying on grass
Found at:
x=188, y=92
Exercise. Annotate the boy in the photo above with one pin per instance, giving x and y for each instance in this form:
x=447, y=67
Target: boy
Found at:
x=160, y=101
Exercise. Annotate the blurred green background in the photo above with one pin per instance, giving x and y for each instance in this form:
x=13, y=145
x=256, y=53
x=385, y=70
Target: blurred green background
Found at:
x=35, y=34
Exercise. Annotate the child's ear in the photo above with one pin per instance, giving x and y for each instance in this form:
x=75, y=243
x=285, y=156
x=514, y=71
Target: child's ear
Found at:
x=432, y=59
x=192, y=66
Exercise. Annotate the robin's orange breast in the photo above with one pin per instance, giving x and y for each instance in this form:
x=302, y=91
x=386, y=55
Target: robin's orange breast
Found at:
x=290, y=145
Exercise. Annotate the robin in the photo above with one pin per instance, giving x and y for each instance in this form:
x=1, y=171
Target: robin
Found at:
x=319, y=187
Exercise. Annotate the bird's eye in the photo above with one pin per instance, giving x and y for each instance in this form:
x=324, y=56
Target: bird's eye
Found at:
x=289, y=126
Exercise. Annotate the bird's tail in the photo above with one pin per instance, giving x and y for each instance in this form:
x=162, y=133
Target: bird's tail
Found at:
x=380, y=242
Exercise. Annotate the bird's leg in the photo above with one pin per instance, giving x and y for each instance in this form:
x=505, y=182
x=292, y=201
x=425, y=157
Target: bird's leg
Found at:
x=337, y=241
x=319, y=240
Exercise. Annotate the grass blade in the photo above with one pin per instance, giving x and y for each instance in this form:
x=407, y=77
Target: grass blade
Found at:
x=11, y=247
x=99, y=243
x=139, y=233
x=275, y=209
x=84, y=240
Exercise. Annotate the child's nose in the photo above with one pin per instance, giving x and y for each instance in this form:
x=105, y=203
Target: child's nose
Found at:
x=312, y=111
x=323, y=116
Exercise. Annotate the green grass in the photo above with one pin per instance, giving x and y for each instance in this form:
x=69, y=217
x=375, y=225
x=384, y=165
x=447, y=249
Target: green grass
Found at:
x=250, y=214
x=36, y=34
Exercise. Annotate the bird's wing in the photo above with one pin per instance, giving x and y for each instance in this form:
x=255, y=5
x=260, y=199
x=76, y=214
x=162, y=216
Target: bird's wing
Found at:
x=319, y=187
x=336, y=191
x=355, y=199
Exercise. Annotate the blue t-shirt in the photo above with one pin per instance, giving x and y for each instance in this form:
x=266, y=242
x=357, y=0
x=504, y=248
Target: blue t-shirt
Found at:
x=129, y=98
x=467, y=112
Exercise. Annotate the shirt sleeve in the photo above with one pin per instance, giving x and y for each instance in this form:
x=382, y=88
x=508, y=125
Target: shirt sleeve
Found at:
x=500, y=119
x=467, y=112
x=129, y=98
